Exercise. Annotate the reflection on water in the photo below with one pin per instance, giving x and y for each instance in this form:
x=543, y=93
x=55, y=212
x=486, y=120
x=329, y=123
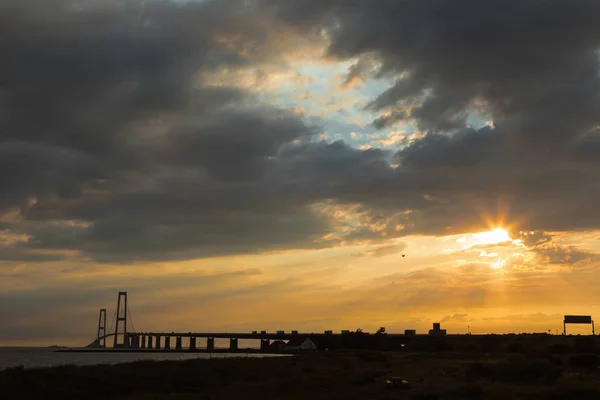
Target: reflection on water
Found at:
x=31, y=357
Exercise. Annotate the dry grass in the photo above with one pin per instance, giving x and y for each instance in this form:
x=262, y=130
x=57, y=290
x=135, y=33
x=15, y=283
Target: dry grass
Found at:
x=529, y=373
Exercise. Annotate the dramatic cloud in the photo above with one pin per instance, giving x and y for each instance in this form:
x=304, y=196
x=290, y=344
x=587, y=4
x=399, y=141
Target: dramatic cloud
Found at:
x=111, y=144
x=530, y=67
x=114, y=146
x=524, y=63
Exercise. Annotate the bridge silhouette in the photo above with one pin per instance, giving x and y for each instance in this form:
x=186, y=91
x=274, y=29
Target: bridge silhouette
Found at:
x=122, y=338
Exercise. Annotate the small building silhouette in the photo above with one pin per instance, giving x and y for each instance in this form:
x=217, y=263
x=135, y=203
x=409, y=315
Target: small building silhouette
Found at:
x=437, y=331
x=300, y=344
x=278, y=346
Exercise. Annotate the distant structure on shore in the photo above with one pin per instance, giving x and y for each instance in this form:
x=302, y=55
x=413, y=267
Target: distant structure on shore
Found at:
x=437, y=331
x=578, y=320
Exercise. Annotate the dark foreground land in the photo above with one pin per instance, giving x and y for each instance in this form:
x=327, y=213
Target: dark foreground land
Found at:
x=498, y=368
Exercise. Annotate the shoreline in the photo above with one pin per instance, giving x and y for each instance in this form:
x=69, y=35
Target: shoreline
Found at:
x=161, y=351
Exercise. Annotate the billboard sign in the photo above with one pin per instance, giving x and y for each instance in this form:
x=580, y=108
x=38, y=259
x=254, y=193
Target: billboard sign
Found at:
x=578, y=319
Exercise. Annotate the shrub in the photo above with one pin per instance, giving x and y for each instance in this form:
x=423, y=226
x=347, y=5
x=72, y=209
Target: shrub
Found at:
x=538, y=353
x=555, y=360
x=584, y=361
x=515, y=347
x=585, y=344
x=528, y=372
x=578, y=393
x=372, y=357
x=361, y=379
x=472, y=348
x=429, y=344
x=517, y=371
x=560, y=349
x=489, y=344
x=479, y=370
x=465, y=392
x=349, y=364
x=425, y=396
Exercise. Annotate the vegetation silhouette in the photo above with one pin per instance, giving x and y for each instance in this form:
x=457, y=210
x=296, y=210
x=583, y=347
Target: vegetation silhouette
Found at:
x=519, y=366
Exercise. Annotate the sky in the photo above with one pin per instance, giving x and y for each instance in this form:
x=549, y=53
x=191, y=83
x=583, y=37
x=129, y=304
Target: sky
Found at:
x=239, y=165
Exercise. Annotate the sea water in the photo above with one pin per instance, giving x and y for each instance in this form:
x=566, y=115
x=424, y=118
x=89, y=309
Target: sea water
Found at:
x=35, y=357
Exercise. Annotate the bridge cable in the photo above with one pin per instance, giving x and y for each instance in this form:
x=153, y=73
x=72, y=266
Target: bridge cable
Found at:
x=112, y=320
x=130, y=318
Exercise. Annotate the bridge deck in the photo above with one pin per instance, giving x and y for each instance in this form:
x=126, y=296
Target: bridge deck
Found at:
x=257, y=336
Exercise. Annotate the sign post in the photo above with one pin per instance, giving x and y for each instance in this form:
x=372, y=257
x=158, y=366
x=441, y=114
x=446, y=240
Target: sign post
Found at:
x=578, y=319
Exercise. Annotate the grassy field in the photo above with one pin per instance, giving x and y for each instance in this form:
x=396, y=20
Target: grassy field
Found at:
x=436, y=369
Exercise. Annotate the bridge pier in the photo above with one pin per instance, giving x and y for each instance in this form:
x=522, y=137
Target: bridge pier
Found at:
x=210, y=344
x=265, y=345
x=149, y=342
x=233, y=344
x=157, y=346
x=192, y=344
x=143, y=342
x=135, y=341
x=126, y=340
x=167, y=342
x=178, y=343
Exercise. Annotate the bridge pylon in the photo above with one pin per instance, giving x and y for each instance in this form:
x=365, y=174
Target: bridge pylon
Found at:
x=121, y=318
x=101, y=338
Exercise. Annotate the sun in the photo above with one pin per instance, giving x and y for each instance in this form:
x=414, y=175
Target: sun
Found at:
x=494, y=236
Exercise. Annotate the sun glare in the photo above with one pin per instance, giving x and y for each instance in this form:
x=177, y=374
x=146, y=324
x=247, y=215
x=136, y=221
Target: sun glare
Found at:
x=495, y=236
x=498, y=236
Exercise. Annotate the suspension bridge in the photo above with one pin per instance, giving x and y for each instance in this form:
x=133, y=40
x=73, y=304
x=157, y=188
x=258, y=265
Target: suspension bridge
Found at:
x=124, y=335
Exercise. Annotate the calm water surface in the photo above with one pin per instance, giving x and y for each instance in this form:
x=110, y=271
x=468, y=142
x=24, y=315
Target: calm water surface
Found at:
x=31, y=357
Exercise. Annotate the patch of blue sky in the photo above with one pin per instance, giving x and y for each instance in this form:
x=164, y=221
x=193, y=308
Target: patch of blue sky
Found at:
x=477, y=119
x=340, y=111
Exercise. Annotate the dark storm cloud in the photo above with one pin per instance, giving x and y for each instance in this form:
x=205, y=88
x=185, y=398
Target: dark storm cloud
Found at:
x=105, y=120
x=178, y=216
x=77, y=78
x=37, y=168
x=533, y=65
x=234, y=145
x=73, y=84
